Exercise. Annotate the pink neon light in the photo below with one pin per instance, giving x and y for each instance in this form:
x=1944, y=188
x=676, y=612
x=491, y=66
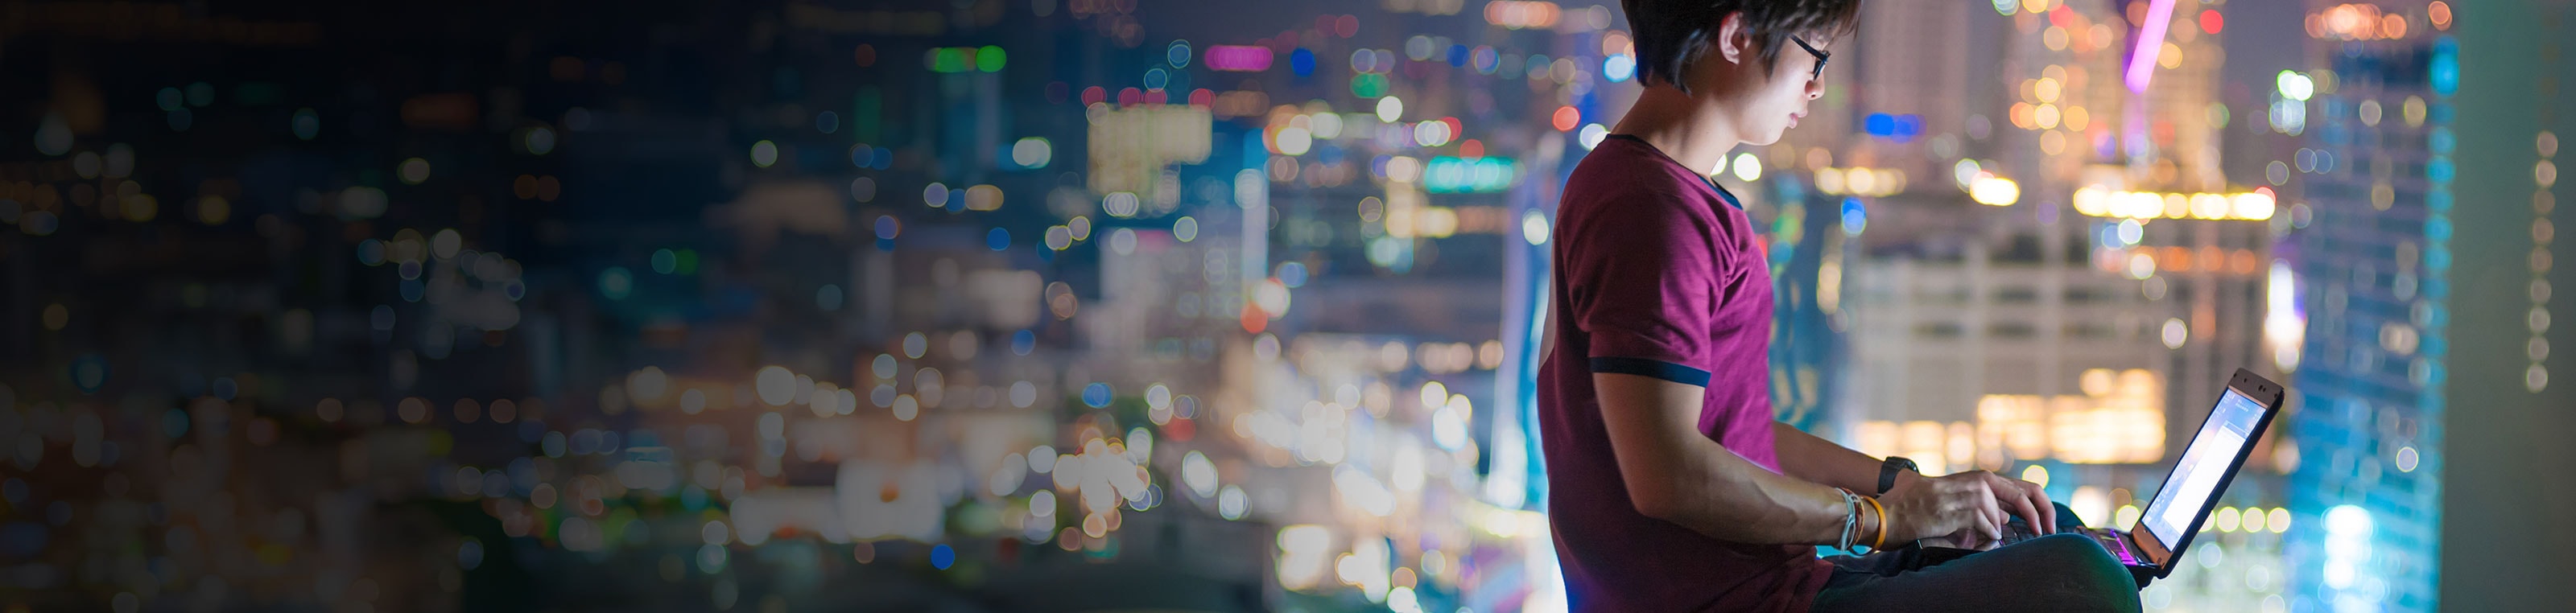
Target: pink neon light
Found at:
x=2151, y=39
x=1238, y=58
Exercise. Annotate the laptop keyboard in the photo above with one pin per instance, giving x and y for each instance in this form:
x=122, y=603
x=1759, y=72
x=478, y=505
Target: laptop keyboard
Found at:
x=2016, y=533
x=2110, y=541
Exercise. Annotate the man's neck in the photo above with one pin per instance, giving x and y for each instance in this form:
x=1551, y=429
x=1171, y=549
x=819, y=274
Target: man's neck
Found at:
x=1689, y=130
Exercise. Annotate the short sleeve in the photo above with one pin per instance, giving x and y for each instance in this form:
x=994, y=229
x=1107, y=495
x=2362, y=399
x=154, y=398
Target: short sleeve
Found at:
x=1644, y=276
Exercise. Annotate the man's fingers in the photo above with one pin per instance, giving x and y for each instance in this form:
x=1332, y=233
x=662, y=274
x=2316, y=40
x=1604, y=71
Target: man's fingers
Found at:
x=2021, y=506
x=1996, y=509
x=2018, y=501
x=2039, y=498
x=1971, y=539
x=1992, y=516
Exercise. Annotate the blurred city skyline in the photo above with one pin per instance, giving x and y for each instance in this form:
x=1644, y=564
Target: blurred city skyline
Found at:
x=1073, y=305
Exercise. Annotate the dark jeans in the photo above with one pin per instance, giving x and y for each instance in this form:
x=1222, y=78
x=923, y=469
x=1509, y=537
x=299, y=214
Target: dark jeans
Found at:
x=2060, y=572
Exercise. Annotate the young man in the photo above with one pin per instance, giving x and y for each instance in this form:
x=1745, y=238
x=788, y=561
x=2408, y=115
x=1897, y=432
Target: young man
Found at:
x=1671, y=486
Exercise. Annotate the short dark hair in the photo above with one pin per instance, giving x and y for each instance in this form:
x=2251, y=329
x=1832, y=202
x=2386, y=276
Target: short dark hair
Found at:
x=1672, y=33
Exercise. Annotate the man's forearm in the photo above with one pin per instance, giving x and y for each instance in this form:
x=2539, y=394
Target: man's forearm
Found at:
x=1739, y=501
x=1674, y=473
x=1809, y=457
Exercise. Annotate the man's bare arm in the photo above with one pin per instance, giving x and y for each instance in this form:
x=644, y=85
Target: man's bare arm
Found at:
x=1807, y=456
x=1675, y=474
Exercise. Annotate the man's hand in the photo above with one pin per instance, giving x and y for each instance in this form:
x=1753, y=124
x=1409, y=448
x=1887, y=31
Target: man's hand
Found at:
x=2027, y=500
x=1968, y=508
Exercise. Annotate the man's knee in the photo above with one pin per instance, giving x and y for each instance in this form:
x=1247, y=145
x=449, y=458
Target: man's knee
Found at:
x=2074, y=551
x=2085, y=570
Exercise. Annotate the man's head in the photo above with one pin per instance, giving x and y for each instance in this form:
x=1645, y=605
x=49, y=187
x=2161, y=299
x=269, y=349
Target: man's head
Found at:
x=1743, y=54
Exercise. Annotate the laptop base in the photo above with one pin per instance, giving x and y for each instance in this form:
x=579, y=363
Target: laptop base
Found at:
x=2112, y=541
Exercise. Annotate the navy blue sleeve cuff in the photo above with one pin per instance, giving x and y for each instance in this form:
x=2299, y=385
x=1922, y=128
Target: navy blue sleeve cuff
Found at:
x=1659, y=369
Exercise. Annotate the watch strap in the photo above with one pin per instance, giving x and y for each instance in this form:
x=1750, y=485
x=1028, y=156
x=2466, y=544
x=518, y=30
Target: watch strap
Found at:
x=1888, y=469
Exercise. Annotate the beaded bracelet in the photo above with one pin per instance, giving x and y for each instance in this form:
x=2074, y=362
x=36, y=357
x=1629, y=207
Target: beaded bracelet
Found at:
x=1851, y=518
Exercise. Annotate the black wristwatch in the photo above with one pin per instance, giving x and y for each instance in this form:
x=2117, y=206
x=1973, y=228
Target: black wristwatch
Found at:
x=1887, y=472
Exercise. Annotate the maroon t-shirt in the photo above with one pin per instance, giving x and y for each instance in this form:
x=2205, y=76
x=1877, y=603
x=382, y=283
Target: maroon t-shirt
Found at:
x=1657, y=274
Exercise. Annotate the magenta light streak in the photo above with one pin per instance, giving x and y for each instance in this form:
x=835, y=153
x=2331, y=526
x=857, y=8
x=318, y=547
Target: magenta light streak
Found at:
x=2151, y=38
x=1238, y=58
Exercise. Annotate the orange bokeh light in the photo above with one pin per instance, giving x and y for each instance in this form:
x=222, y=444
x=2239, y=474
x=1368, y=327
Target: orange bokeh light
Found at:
x=1566, y=117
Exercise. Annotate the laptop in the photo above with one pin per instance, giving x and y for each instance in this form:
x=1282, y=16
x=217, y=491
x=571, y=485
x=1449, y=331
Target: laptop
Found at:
x=2190, y=492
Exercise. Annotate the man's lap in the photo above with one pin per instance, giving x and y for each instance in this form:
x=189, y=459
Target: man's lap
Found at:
x=2059, y=572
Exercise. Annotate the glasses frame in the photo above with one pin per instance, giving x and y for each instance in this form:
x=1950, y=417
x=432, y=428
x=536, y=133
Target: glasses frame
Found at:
x=1821, y=56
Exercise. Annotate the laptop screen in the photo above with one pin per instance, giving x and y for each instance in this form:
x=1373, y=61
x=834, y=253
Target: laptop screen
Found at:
x=2204, y=463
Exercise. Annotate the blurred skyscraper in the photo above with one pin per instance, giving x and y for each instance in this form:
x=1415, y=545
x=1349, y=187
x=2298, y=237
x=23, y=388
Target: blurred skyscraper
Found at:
x=2427, y=281
x=2090, y=227
x=2379, y=173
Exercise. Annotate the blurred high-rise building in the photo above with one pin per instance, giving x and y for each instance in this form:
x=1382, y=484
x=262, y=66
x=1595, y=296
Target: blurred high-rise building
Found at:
x=1912, y=62
x=2168, y=281
x=2379, y=174
x=2426, y=280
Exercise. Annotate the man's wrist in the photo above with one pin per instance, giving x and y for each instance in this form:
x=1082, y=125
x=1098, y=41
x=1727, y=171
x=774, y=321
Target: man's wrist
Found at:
x=1892, y=471
x=1905, y=477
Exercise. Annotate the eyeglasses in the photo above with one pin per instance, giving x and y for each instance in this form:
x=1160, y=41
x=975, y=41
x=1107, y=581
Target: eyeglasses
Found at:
x=1821, y=56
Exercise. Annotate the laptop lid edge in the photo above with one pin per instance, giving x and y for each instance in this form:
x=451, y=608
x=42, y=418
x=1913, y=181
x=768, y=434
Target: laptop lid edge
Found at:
x=2271, y=396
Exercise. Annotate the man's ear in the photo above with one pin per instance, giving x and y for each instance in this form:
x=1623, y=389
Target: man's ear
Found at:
x=1732, y=42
